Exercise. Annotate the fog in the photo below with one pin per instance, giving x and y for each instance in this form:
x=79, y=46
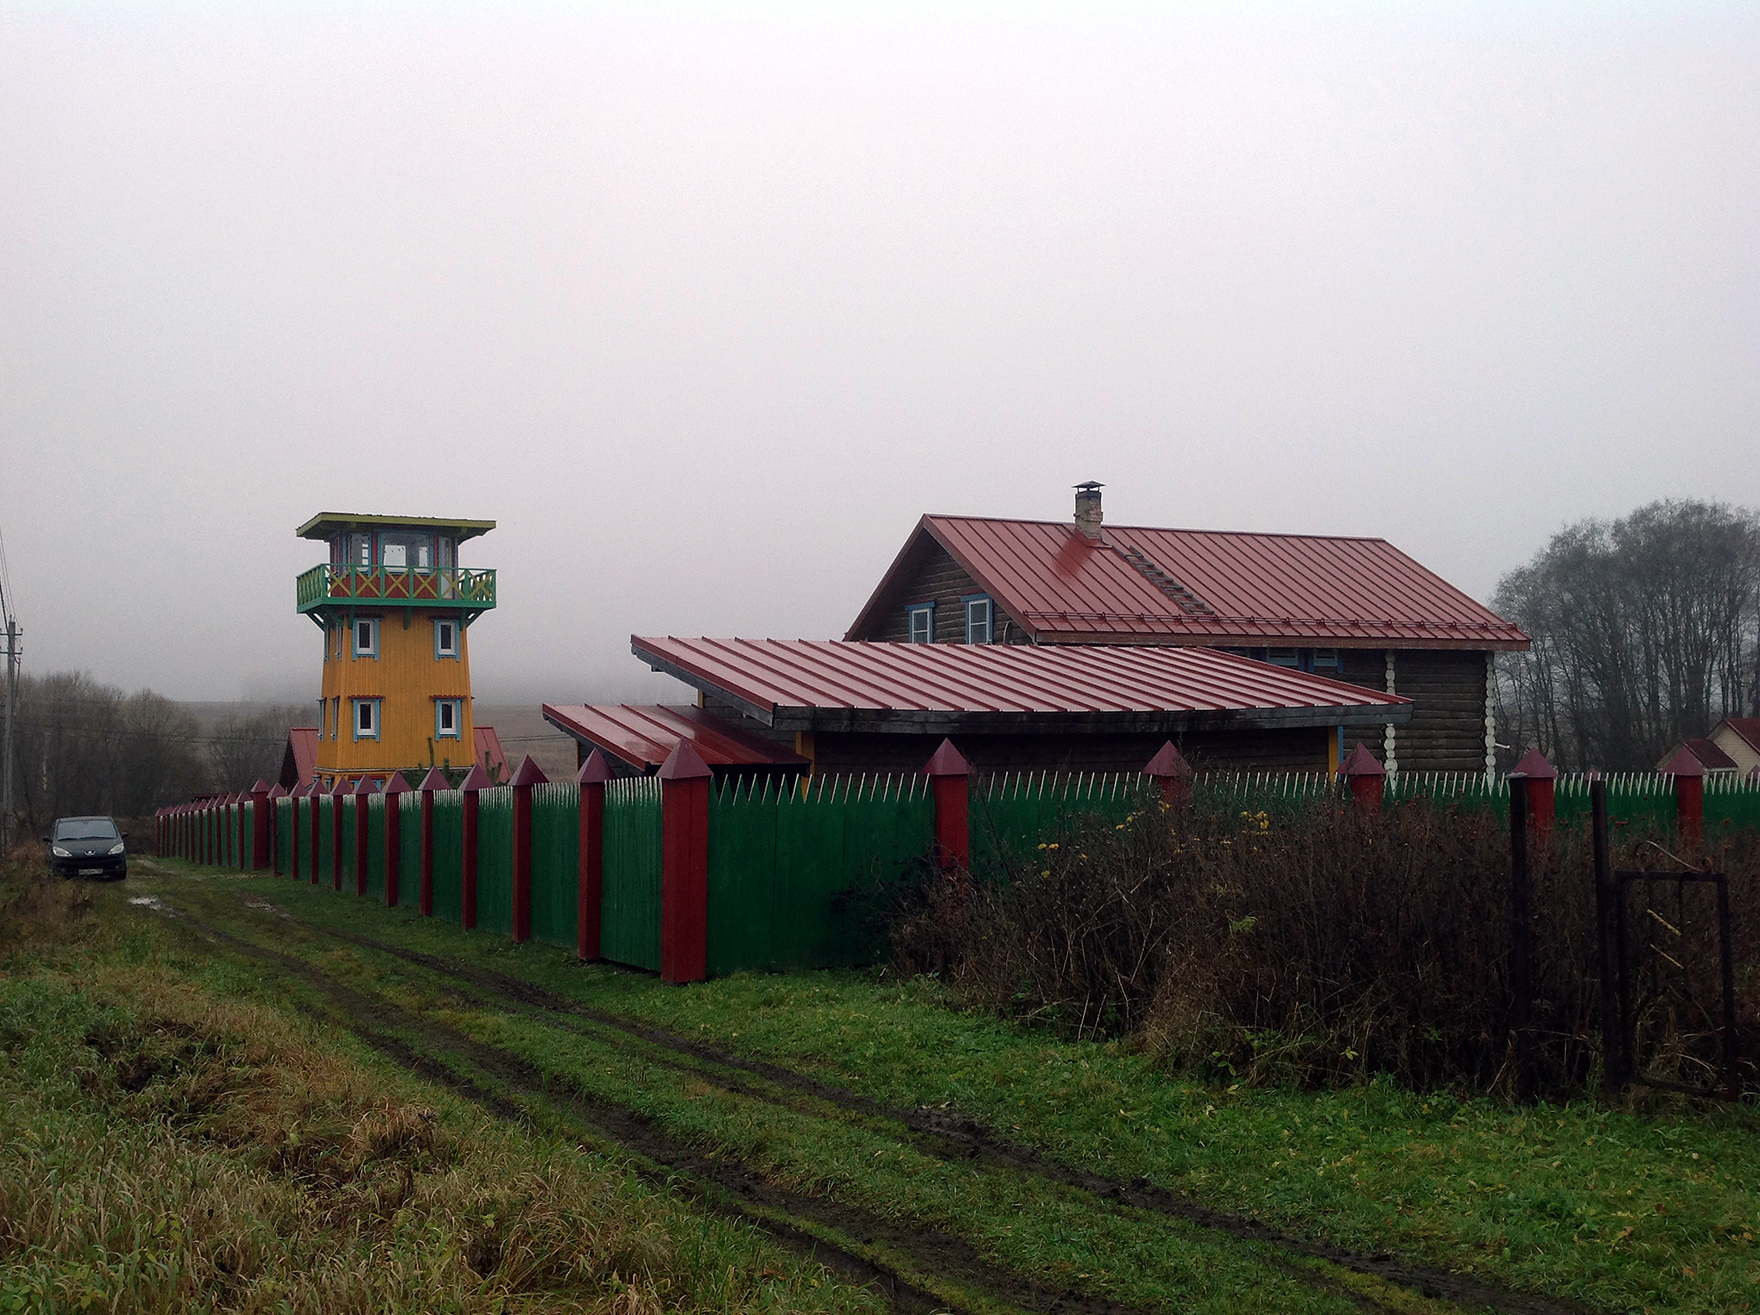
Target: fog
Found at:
x=706, y=305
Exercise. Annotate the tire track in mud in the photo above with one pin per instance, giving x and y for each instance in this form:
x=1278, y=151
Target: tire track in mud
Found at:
x=717, y=1181
x=951, y=1135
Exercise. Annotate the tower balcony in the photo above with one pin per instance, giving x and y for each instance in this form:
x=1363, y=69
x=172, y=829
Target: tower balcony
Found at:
x=428, y=588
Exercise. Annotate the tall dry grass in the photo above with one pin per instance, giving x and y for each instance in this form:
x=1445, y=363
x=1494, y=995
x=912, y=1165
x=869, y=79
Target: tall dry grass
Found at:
x=1319, y=945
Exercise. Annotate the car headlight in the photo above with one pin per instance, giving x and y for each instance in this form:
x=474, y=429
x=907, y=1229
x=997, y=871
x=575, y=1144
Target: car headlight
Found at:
x=60, y=852
x=118, y=847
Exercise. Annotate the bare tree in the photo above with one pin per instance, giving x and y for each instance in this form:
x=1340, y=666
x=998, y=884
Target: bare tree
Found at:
x=1644, y=632
x=247, y=747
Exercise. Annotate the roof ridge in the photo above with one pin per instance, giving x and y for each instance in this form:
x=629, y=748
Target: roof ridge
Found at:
x=1168, y=529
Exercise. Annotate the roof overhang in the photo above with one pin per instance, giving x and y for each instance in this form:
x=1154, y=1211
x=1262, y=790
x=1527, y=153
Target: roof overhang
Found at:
x=326, y=523
x=642, y=737
x=922, y=689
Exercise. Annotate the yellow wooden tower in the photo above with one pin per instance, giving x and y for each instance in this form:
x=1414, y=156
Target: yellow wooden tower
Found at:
x=395, y=608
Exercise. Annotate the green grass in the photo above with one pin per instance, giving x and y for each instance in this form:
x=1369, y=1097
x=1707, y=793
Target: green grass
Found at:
x=1652, y=1205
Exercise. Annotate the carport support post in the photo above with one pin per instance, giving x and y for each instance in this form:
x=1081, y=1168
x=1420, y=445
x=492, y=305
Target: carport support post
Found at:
x=478, y=779
x=395, y=789
x=1170, y=770
x=434, y=780
x=590, y=879
x=528, y=775
x=1367, y=777
x=362, y=792
x=1689, y=795
x=261, y=819
x=949, y=776
x=1537, y=778
x=684, y=866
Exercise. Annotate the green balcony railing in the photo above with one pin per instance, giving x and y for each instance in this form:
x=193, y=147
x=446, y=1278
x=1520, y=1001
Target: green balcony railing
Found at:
x=398, y=586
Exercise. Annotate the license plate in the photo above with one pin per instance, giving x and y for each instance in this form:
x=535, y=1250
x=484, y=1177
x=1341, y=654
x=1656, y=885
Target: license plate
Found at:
x=91, y=872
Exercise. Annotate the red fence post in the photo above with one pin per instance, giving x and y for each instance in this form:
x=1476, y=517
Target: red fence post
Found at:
x=684, y=866
x=949, y=775
x=337, y=795
x=395, y=789
x=1689, y=794
x=1537, y=779
x=1170, y=770
x=590, y=878
x=1367, y=777
x=362, y=793
x=260, y=822
x=434, y=780
x=528, y=775
x=478, y=779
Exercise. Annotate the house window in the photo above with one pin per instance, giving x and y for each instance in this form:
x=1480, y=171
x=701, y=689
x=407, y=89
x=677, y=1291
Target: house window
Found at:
x=446, y=638
x=1325, y=661
x=448, y=718
x=366, y=719
x=978, y=613
x=366, y=637
x=360, y=549
x=1284, y=657
x=922, y=622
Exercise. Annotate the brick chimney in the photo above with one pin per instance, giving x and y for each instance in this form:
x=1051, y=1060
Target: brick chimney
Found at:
x=1088, y=508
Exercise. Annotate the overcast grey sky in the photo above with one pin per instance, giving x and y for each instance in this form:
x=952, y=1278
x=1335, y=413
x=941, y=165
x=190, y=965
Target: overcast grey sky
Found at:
x=705, y=304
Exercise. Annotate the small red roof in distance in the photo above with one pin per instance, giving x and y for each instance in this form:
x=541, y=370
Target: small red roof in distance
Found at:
x=1748, y=728
x=644, y=736
x=489, y=754
x=1711, y=758
x=299, y=760
x=1147, y=585
x=767, y=674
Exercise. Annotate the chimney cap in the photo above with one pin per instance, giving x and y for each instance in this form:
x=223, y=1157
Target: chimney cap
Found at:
x=1089, y=486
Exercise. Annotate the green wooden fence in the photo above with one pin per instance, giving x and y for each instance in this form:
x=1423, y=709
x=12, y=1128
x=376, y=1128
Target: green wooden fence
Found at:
x=1012, y=814
x=409, y=856
x=556, y=846
x=495, y=860
x=448, y=855
x=630, y=910
x=791, y=870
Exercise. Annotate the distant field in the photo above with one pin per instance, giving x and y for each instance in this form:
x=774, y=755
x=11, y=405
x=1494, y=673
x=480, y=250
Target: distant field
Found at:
x=946, y=1161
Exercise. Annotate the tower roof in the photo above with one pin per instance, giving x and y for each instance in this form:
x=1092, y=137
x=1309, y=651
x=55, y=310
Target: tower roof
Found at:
x=326, y=523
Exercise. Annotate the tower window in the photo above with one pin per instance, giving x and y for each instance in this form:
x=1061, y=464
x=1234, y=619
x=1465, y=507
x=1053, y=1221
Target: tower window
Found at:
x=366, y=719
x=445, y=638
x=978, y=614
x=366, y=637
x=336, y=718
x=323, y=716
x=448, y=719
x=922, y=622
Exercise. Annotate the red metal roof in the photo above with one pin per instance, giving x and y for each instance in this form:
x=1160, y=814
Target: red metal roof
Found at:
x=1746, y=728
x=767, y=675
x=489, y=754
x=644, y=736
x=299, y=760
x=1146, y=585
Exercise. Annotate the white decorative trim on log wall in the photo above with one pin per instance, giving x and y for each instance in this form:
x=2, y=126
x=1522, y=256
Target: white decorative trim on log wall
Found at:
x=1389, y=750
x=1490, y=715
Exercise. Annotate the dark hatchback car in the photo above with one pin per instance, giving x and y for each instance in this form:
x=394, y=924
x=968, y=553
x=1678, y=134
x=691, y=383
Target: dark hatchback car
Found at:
x=87, y=847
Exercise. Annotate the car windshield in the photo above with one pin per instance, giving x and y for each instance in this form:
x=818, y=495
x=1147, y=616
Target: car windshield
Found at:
x=86, y=828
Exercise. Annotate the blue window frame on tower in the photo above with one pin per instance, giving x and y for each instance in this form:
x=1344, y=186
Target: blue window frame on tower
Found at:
x=366, y=636
x=366, y=718
x=979, y=611
x=445, y=637
x=922, y=623
x=448, y=719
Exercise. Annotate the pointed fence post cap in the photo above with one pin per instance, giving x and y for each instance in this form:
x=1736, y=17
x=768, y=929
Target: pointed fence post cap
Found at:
x=1360, y=762
x=342, y=786
x=1683, y=764
x=435, y=780
x=947, y=761
x=1534, y=767
x=529, y=773
x=594, y=771
x=396, y=784
x=478, y=779
x=367, y=785
x=1168, y=761
x=279, y=791
x=261, y=787
x=684, y=763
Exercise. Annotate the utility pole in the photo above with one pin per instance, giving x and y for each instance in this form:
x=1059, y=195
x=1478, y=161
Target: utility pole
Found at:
x=9, y=699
